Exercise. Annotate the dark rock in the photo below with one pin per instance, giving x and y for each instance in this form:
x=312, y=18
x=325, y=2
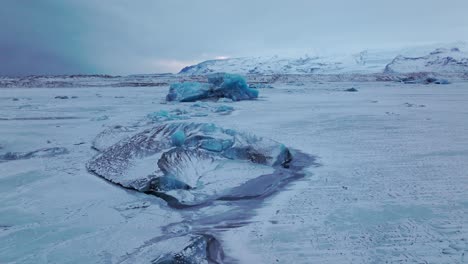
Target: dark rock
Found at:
x=351, y=90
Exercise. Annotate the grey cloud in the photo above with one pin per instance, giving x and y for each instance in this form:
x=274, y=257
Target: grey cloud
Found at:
x=120, y=37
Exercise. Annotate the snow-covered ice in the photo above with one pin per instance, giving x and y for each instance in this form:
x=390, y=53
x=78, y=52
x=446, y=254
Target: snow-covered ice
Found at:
x=192, y=162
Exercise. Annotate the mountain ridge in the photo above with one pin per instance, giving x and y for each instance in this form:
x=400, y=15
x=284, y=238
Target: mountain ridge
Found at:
x=438, y=59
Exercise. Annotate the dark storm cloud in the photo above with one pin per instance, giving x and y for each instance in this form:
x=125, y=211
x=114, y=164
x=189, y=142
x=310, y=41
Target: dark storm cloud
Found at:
x=119, y=37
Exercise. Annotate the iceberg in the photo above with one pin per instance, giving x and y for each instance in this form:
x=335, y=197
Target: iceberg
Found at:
x=220, y=85
x=188, y=91
x=178, y=138
x=231, y=86
x=190, y=163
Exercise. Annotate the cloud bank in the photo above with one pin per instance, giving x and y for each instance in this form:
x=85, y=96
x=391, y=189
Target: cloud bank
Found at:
x=148, y=36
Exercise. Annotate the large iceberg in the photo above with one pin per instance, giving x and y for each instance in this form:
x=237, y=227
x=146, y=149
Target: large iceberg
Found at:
x=231, y=86
x=220, y=85
x=188, y=91
x=192, y=163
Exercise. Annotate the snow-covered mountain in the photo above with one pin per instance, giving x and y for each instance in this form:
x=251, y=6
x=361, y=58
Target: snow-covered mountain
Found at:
x=448, y=59
x=363, y=62
x=442, y=60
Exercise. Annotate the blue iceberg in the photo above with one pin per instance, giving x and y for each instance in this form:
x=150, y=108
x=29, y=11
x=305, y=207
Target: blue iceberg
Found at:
x=232, y=86
x=220, y=85
x=188, y=91
x=178, y=138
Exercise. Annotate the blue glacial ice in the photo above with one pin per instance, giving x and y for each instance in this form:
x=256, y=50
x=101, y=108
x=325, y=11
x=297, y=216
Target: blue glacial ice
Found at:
x=178, y=138
x=190, y=163
x=220, y=85
x=163, y=115
x=198, y=109
x=231, y=86
x=188, y=91
x=224, y=109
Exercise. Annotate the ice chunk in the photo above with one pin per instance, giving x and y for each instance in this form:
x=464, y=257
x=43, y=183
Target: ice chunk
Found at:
x=220, y=109
x=442, y=81
x=224, y=100
x=352, y=89
x=178, y=138
x=224, y=109
x=200, y=105
x=232, y=86
x=163, y=115
x=220, y=85
x=186, y=249
x=260, y=85
x=188, y=91
x=422, y=78
x=199, y=115
x=216, y=145
x=111, y=136
x=190, y=162
x=202, y=248
x=100, y=118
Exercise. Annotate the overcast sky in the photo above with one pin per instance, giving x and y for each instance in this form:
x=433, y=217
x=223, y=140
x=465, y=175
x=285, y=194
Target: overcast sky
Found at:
x=149, y=36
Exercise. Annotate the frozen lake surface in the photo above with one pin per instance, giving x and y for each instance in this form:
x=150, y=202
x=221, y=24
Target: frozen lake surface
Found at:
x=386, y=181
